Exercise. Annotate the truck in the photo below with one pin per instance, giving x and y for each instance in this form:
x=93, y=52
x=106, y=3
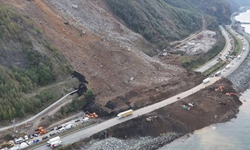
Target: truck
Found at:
x=54, y=142
x=239, y=57
x=228, y=67
x=217, y=73
x=205, y=81
x=125, y=114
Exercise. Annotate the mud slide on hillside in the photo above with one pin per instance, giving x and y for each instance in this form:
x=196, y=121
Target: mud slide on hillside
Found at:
x=110, y=55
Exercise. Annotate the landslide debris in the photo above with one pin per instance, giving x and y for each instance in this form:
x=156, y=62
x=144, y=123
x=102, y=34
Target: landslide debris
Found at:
x=206, y=107
x=107, y=53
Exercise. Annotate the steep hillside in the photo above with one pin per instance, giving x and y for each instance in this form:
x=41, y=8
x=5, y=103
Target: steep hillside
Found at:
x=27, y=62
x=166, y=20
x=157, y=21
x=217, y=8
x=110, y=55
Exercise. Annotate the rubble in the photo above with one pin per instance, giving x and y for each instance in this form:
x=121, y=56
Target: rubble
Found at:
x=140, y=143
x=202, y=43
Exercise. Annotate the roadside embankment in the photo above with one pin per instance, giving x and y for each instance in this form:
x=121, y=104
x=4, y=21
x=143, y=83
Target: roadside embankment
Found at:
x=164, y=125
x=241, y=77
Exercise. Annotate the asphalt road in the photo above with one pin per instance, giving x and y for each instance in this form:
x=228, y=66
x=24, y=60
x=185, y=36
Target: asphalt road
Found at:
x=87, y=132
x=39, y=114
x=226, y=49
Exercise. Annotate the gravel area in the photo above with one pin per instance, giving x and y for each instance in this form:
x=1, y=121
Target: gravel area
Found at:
x=140, y=143
x=241, y=77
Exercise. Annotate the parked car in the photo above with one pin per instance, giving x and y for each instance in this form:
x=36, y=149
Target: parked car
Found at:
x=36, y=141
x=26, y=137
x=31, y=136
x=69, y=126
x=35, y=135
x=59, y=127
x=29, y=142
x=52, y=134
x=78, y=120
x=45, y=137
x=52, y=129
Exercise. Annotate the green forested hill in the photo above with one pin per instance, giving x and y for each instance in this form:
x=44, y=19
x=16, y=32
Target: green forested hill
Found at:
x=27, y=61
x=157, y=21
x=162, y=21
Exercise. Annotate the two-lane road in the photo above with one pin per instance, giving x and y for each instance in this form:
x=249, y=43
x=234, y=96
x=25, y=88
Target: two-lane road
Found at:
x=39, y=114
x=87, y=132
x=225, y=50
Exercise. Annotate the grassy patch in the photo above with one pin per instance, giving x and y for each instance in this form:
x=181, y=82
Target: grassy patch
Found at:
x=238, y=45
x=215, y=68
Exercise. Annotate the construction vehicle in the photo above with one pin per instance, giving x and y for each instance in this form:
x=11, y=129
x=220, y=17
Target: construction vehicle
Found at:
x=230, y=94
x=40, y=131
x=125, y=114
x=91, y=115
x=220, y=88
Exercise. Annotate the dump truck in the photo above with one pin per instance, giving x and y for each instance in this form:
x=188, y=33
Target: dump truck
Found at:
x=125, y=114
x=54, y=142
x=205, y=81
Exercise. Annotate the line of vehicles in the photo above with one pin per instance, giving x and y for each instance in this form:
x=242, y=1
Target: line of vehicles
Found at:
x=41, y=134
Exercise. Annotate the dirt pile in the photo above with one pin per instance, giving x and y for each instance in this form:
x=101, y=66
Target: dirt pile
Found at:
x=210, y=107
x=202, y=109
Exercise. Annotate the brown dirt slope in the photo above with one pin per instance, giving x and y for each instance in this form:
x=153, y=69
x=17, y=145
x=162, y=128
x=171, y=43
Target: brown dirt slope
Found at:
x=110, y=56
x=209, y=107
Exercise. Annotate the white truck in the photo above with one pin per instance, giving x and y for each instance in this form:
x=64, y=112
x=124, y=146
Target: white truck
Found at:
x=205, y=81
x=228, y=67
x=239, y=57
x=217, y=73
x=125, y=114
x=54, y=142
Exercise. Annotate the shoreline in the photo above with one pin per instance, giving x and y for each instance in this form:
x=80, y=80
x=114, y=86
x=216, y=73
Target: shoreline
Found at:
x=169, y=123
x=241, y=76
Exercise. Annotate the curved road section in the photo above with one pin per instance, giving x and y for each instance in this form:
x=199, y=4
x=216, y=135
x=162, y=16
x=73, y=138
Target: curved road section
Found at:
x=39, y=114
x=87, y=132
x=226, y=49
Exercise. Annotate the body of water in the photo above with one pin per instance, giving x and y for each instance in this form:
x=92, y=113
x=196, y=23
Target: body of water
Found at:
x=233, y=135
x=244, y=17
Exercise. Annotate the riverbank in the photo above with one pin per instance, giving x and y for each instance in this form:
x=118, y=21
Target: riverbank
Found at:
x=166, y=124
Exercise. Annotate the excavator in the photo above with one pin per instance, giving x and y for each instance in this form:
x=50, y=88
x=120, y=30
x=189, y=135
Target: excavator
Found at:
x=41, y=131
x=230, y=94
x=220, y=88
x=91, y=115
